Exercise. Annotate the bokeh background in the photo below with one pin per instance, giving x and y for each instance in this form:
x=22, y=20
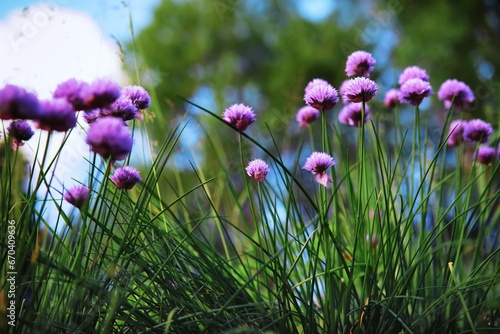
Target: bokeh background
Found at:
x=261, y=53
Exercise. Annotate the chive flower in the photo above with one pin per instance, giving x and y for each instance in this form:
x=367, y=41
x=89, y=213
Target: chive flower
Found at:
x=485, y=155
x=57, y=115
x=351, y=114
x=122, y=108
x=477, y=130
x=306, y=115
x=110, y=137
x=317, y=164
x=360, y=89
x=77, y=196
x=414, y=91
x=313, y=83
x=126, y=177
x=456, y=91
x=359, y=63
x=413, y=72
x=321, y=96
x=17, y=103
x=138, y=96
x=72, y=91
x=19, y=131
x=101, y=93
x=391, y=99
x=239, y=116
x=455, y=132
x=91, y=115
x=257, y=169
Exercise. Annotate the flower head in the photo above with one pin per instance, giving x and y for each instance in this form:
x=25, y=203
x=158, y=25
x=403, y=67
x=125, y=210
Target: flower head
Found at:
x=56, y=115
x=391, y=98
x=122, y=108
x=306, y=115
x=77, y=196
x=321, y=96
x=359, y=63
x=239, y=116
x=126, y=177
x=485, y=155
x=110, y=137
x=413, y=72
x=456, y=91
x=477, y=130
x=360, y=89
x=101, y=93
x=20, y=131
x=413, y=91
x=257, y=169
x=138, y=95
x=17, y=103
x=342, y=91
x=91, y=115
x=313, y=83
x=351, y=114
x=455, y=132
x=72, y=90
x=317, y=164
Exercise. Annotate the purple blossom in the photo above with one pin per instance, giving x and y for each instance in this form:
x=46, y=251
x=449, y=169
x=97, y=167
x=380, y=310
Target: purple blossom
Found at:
x=313, y=83
x=306, y=115
x=72, y=90
x=359, y=63
x=391, y=99
x=101, y=93
x=17, y=103
x=351, y=114
x=413, y=72
x=477, y=130
x=257, y=169
x=20, y=131
x=485, y=155
x=239, y=116
x=122, y=108
x=138, y=95
x=126, y=177
x=110, y=137
x=56, y=115
x=456, y=91
x=413, y=91
x=317, y=164
x=321, y=96
x=342, y=91
x=455, y=133
x=77, y=196
x=90, y=116
x=360, y=89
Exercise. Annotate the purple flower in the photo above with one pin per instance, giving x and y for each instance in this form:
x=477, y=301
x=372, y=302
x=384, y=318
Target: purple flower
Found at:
x=77, y=196
x=342, y=91
x=101, y=93
x=56, y=115
x=413, y=72
x=351, y=114
x=413, y=91
x=126, y=177
x=485, y=155
x=257, y=169
x=360, y=89
x=110, y=137
x=317, y=164
x=20, y=131
x=138, y=95
x=122, y=108
x=359, y=63
x=313, y=83
x=477, y=130
x=239, y=116
x=391, y=99
x=17, y=103
x=455, y=133
x=321, y=96
x=72, y=90
x=456, y=91
x=90, y=116
x=306, y=115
